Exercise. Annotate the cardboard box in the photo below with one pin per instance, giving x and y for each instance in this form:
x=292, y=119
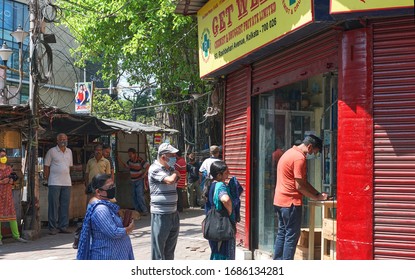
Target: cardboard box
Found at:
x=303, y=241
x=302, y=253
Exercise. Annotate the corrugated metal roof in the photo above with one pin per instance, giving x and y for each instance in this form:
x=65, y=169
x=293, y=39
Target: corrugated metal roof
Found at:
x=54, y=120
x=14, y=115
x=136, y=127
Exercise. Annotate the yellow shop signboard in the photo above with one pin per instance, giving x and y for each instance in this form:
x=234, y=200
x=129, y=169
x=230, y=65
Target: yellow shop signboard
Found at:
x=231, y=29
x=349, y=6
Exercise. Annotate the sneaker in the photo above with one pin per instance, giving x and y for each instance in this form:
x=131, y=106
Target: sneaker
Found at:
x=53, y=232
x=21, y=240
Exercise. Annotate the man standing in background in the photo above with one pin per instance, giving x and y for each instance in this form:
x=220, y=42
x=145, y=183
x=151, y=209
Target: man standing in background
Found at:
x=205, y=167
x=193, y=181
x=96, y=165
x=138, y=170
x=204, y=171
x=57, y=165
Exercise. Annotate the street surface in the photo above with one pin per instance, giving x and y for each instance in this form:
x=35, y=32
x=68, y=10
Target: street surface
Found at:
x=190, y=245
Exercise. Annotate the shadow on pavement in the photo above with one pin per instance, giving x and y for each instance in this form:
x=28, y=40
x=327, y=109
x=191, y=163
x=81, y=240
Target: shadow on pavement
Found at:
x=59, y=246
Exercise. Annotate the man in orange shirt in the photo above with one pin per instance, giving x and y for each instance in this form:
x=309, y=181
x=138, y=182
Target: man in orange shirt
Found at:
x=291, y=185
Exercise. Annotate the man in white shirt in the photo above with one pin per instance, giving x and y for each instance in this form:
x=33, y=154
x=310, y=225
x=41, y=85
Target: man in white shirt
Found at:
x=204, y=171
x=214, y=156
x=57, y=164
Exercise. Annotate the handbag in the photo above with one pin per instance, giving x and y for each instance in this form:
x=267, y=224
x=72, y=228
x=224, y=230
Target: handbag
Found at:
x=217, y=225
x=128, y=217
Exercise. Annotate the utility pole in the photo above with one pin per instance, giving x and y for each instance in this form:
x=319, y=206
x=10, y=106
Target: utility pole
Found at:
x=32, y=220
x=196, y=113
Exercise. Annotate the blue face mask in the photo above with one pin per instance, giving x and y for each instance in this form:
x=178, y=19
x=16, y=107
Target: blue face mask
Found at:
x=172, y=161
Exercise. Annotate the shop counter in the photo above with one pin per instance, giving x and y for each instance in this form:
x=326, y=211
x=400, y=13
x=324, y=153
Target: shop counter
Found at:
x=328, y=229
x=77, y=205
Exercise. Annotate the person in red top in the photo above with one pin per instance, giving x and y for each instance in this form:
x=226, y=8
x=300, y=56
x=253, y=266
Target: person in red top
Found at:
x=291, y=185
x=180, y=166
x=80, y=96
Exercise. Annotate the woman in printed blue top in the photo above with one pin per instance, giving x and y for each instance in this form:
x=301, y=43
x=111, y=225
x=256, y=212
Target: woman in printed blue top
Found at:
x=220, y=196
x=103, y=235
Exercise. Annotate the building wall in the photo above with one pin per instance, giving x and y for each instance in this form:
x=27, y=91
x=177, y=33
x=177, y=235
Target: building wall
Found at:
x=59, y=90
x=355, y=148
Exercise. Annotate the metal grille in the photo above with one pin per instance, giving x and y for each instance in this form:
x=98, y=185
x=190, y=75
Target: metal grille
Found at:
x=394, y=141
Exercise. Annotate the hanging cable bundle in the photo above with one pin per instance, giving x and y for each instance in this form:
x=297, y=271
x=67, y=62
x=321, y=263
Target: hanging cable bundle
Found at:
x=50, y=12
x=42, y=61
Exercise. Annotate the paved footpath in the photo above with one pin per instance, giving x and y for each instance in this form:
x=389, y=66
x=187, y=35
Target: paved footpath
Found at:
x=190, y=245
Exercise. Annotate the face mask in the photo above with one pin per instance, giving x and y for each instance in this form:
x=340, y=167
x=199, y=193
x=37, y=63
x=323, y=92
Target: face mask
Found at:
x=110, y=193
x=63, y=143
x=3, y=160
x=172, y=161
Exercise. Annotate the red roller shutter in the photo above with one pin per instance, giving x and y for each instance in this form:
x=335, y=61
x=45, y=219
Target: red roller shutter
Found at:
x=299, y=62
x=237, y=141
x=394, y=141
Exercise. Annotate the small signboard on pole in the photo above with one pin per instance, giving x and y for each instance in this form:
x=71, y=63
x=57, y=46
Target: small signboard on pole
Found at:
x=157, y=138
x=83, y=97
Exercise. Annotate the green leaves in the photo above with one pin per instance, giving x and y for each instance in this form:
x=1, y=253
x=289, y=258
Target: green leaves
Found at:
x=142, y=37
x=106, y=108
x=148, y=43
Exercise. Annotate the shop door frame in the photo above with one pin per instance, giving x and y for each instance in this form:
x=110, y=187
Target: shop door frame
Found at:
x=262, y=162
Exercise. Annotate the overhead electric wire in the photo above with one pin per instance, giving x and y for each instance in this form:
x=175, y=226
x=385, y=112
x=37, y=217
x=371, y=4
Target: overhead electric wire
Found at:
x=160, y=105
x=50, y=73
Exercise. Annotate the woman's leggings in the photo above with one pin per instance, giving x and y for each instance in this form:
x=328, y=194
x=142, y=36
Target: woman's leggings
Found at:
x=14, y=228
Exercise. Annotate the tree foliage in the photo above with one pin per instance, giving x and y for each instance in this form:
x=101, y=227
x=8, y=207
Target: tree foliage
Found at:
x=122, y=108
x=144, y=40
x=106, y=108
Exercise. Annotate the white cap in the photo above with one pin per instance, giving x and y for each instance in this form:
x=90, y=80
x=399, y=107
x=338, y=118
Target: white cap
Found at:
x=166, y=148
